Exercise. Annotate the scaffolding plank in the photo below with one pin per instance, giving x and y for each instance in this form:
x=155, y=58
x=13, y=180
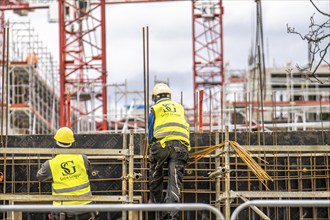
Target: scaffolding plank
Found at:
x=289, y=148
x=63, y=151
x=278, y=195
x=45, y=198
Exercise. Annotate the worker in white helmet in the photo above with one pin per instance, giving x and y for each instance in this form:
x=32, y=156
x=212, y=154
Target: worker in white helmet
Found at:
x=70, y=177
x=168, y=144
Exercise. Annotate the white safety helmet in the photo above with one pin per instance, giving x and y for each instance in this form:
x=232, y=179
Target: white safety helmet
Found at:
x=161, y=91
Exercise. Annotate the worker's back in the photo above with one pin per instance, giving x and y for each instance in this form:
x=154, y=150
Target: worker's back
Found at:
x=32, y=59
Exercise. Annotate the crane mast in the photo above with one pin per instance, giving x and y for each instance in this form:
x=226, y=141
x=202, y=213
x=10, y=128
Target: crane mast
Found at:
x=82, y=56
x=83, y=72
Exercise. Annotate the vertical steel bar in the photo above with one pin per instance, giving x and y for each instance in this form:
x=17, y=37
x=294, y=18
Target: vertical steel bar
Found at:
x=61, y=24
x=210, y=112
x=235, y=117
x=200, y=112
x=3, y=82
x=246, y=118
x=222, y=111
x=68, y=100
x=124, y=175
x=250, y=96
x=274, y=121
x=195, y=111
x=258, y=118
x=299, y=179
x=7, y=104
x=7, y=87
x=313, y=174
x=321, y=119
x=145, y=33
x=2, y=114
x=217, y=181
x=288, y=179
x=105, y=125
x=327, y=167
x=131, y=171
x=147, y=72
x=227, y=174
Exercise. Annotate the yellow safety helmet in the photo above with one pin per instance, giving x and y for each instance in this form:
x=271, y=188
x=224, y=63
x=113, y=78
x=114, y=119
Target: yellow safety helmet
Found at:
x=64, y=137
x=161, y=91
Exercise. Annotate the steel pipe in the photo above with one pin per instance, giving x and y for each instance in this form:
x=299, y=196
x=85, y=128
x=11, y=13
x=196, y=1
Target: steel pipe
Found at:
x=280, y=203
x=114, y=207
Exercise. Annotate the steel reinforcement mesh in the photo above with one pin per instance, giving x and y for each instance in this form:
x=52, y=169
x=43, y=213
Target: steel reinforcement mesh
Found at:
x=291, y=171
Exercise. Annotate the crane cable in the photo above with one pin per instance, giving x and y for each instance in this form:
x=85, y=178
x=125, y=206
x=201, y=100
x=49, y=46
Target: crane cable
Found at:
x=244, y=154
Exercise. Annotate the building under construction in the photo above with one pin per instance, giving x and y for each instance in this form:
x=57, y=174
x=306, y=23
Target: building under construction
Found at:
x=253, y=136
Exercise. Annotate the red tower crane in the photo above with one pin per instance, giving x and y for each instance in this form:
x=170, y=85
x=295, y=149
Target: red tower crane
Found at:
x=2, y=25
x=83, y=72
x=208, y=67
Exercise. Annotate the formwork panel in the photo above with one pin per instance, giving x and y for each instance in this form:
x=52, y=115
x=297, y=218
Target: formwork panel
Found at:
x=291, y=171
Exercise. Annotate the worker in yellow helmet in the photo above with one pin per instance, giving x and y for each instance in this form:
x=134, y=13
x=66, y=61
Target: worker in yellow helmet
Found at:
x=168, y=134
x=70, y=177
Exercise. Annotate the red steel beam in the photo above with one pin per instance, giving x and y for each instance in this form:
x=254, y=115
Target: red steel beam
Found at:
x=208, y=62
x=138, y=1
x=21, y=7
x=83, y=61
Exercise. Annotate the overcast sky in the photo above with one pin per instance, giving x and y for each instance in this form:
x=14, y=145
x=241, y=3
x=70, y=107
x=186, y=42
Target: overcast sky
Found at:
x=170, y=37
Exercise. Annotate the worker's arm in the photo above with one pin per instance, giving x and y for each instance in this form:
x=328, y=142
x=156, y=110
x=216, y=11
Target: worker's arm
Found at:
x=44, y=173
x=151, y=121
x=87, y=164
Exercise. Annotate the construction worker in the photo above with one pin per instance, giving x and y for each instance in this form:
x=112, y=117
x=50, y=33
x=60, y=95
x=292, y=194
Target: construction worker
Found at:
x=70, y=176
x=168, y=144
x=32, y=59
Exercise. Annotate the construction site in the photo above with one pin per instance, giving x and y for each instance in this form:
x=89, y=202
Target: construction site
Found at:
x=256, y=134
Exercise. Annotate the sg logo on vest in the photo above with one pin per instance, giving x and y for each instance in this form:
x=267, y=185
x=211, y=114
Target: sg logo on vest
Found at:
x=68, y=168
x=169, y=107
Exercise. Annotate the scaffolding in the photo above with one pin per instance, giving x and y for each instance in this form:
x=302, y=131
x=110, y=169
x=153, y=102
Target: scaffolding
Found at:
x=291, y=102
x=31, y=103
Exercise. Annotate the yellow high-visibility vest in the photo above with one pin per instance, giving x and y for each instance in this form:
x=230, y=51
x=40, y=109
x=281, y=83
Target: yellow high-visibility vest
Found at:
x=69, y=178
x=32, y=58
x=170, y=123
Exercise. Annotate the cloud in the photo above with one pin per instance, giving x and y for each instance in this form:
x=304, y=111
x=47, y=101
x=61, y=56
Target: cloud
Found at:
x=240, y=28
x=170, y=45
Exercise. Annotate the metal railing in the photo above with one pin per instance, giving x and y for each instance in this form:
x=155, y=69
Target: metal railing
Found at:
x=165, y=207
x=114, y=207
x=280, y=203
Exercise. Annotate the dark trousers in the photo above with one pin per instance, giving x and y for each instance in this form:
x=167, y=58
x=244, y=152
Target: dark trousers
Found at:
x=174, y=156
x=82, y=216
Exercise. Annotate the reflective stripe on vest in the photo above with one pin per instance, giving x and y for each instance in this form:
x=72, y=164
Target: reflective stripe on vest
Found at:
x=170, y=123
x=69, y=177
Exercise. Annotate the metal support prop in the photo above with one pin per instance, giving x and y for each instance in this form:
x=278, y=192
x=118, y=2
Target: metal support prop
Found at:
x=217, y=180
x=124, y=172
x=131, y=171
x=227, y=174
x=280, y=203
x=256, y=209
